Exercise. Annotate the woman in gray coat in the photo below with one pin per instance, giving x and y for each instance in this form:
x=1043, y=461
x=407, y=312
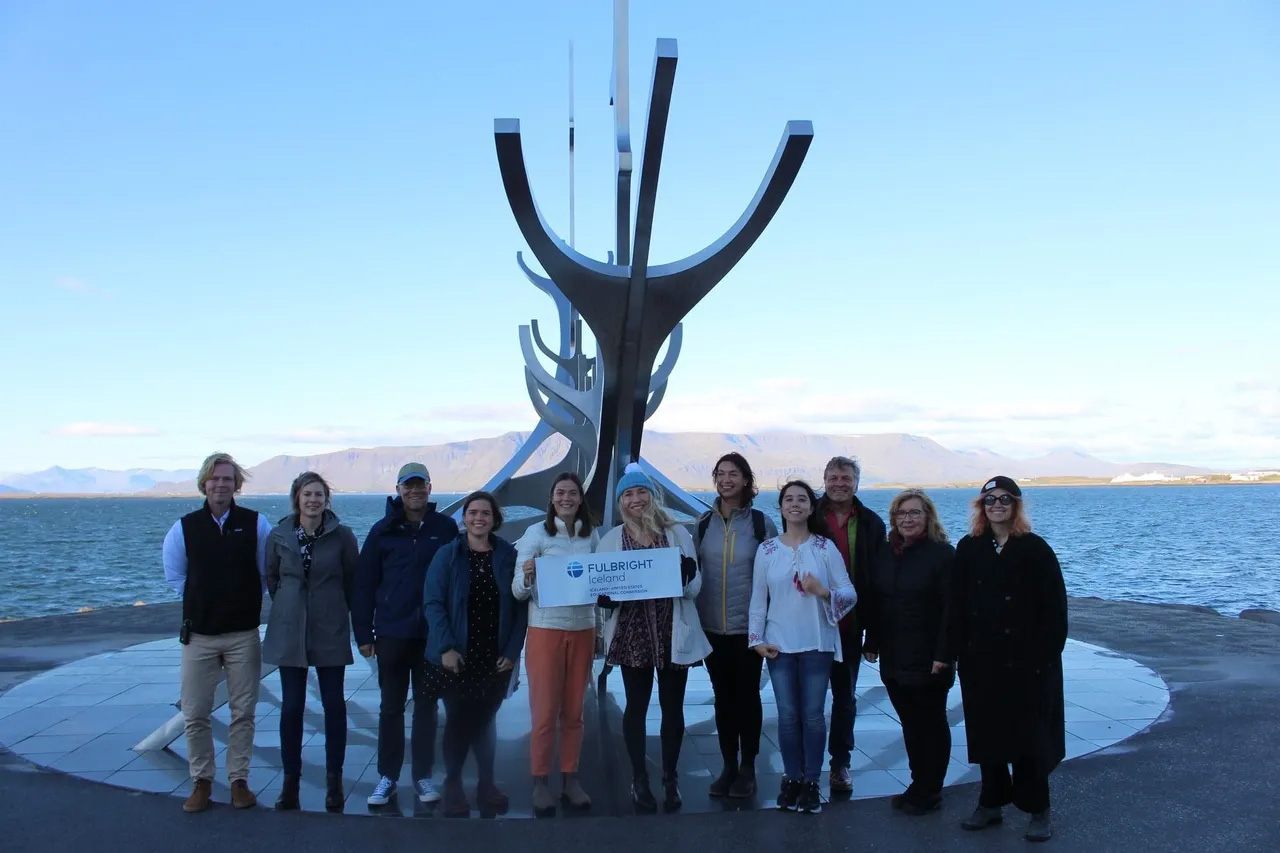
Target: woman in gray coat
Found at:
x=310, y=568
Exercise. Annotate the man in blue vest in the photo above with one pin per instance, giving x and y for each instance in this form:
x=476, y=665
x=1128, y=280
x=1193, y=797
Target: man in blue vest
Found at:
x=213, y=558
x=388, y=622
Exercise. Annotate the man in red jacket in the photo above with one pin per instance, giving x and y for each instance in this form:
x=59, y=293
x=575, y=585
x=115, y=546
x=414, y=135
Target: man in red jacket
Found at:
x=859, y=533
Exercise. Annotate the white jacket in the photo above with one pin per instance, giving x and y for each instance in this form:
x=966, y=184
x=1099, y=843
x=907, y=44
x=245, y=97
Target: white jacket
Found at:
x=537, y=542
x=689, y=644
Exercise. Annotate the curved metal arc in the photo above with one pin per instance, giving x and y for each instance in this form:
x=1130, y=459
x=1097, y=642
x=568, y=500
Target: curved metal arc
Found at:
x=564, y=362
x=710, y=265
x=571, y=398
x=585, y=282
x=655, y=137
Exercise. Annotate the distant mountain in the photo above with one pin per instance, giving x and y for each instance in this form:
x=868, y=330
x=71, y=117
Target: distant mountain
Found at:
x=686, y=458
x=10, y=490
x=92, y=481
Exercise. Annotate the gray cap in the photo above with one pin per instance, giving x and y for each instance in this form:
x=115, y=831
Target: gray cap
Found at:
x=412, y=470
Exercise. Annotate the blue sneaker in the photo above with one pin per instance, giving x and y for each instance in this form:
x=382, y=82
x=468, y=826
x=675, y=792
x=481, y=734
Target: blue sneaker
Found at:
x=382, y=792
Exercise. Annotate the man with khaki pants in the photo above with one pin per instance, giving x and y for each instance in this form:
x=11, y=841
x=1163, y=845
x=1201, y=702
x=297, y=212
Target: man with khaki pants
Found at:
x=213, y=558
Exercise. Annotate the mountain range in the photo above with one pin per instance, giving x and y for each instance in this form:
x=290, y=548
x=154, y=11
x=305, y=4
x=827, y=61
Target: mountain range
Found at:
x=686, y=458
x=90, y=481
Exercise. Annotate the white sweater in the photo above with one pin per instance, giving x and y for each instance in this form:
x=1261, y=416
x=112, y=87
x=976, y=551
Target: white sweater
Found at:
x=785, y=616
x=537, y=542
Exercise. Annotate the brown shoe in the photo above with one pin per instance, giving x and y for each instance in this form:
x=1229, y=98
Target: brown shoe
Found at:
x=200, y=795
x=241, y=796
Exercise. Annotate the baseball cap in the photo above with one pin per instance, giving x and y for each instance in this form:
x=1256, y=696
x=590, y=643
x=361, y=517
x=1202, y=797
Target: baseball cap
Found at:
x=1005, y=483
x=410, y=470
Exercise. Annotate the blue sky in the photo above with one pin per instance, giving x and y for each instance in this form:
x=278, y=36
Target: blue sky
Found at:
x=280, y=228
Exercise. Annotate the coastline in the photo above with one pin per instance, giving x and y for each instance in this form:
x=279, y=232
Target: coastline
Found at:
x=1037, y=483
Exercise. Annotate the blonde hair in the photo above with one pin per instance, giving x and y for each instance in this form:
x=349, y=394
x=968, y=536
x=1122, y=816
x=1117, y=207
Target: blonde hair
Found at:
x=214, y=460
x=934, y=531
x=654, y=521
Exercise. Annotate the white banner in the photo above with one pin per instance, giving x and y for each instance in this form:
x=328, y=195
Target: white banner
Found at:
x=622, y=575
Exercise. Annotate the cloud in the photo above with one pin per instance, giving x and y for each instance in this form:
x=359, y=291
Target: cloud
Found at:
x=75, y=285
x=96, y=429
x=469, y=413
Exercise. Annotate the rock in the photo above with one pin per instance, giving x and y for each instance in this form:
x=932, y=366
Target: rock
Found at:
x=1257, y=614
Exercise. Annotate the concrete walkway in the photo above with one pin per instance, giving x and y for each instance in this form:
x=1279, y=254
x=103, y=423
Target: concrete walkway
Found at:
x=1197, y=778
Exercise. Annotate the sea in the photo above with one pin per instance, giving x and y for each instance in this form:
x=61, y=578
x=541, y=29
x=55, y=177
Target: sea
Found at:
x=1207, y=545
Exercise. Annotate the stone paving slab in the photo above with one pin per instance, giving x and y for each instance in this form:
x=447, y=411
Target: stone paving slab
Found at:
x=85, y=717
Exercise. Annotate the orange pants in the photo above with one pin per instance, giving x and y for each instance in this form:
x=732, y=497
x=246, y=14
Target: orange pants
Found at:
x=558, y=664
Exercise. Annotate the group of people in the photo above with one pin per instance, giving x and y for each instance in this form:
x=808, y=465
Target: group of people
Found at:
x=449, y=613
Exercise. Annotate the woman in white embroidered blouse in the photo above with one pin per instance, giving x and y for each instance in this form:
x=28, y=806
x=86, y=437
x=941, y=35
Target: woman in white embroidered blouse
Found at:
x=800, y=590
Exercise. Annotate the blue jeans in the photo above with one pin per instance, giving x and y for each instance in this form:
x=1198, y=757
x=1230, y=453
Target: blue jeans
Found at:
x=800, y=689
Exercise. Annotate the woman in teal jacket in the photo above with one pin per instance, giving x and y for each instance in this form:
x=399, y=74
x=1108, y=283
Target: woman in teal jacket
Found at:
x=475, y=631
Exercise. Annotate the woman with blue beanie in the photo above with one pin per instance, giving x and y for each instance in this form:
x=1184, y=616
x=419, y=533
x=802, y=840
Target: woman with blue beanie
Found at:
x=663, y=635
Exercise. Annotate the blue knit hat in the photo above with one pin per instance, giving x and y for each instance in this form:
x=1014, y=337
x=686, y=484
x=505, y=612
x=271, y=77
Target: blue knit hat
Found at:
x=633, y=475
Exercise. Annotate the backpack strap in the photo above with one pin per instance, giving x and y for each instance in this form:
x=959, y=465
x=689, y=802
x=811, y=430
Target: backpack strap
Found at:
x=703, y=523
x=757, y=522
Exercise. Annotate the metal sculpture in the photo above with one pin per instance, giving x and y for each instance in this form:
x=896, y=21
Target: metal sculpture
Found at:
x=631, y=306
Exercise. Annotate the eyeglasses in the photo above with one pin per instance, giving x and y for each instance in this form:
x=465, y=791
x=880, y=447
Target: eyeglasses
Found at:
x=1003, y=500
x=909, y=513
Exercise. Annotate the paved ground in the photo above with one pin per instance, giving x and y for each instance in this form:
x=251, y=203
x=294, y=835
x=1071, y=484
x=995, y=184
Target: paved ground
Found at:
x=1199, y=779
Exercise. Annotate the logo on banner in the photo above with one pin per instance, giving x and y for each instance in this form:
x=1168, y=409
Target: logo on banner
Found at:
x=574, y=569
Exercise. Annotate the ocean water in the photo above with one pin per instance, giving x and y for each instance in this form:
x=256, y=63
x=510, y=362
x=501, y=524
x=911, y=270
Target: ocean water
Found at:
x=1210, y=545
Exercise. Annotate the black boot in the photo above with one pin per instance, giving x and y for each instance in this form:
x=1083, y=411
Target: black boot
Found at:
x=333, y=796
x=288, y=799
x=724, y=782
x=642, y=795
x=671, y=793
x=744, y=787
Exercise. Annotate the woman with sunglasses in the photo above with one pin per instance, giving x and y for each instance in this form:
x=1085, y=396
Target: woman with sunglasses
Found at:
x=800, y=590
x=1009, y=624
x=906, y=602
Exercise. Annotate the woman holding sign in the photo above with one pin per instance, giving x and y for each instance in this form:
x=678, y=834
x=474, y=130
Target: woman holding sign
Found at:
x=663, y=634
x=475, y=630
x=560, y=646
x=799, y=591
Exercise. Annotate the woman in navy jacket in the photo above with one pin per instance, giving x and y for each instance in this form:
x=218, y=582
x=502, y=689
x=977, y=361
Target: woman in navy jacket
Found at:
x=475, y=632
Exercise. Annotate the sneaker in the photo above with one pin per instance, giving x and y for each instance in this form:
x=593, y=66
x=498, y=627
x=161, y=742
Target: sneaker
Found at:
x=382, y=792
x=841, y=781
x=427, y=792
x=789, y=795
x=810, y=799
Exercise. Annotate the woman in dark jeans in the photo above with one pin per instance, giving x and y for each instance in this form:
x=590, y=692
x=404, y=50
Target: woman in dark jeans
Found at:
x=310, y=569
x=475, y=631
x=907, y=604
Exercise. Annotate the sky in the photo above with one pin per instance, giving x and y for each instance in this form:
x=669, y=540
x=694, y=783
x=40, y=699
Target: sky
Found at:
x=280, y=228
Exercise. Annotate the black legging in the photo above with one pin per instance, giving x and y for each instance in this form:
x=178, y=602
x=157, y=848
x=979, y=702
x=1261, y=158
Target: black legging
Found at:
x=735, y=677
x=469, y=726
x=638, y=684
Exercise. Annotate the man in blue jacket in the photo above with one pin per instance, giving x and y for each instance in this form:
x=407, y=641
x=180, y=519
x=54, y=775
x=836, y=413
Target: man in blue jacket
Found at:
x=388, y=622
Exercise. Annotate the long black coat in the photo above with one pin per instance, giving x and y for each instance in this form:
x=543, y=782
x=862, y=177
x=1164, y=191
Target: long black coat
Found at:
x=907, y=600
x=1009, y=626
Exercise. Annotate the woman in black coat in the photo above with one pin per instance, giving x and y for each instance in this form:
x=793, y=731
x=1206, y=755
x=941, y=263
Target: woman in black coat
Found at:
x=909, y=592
x=1009, y=612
